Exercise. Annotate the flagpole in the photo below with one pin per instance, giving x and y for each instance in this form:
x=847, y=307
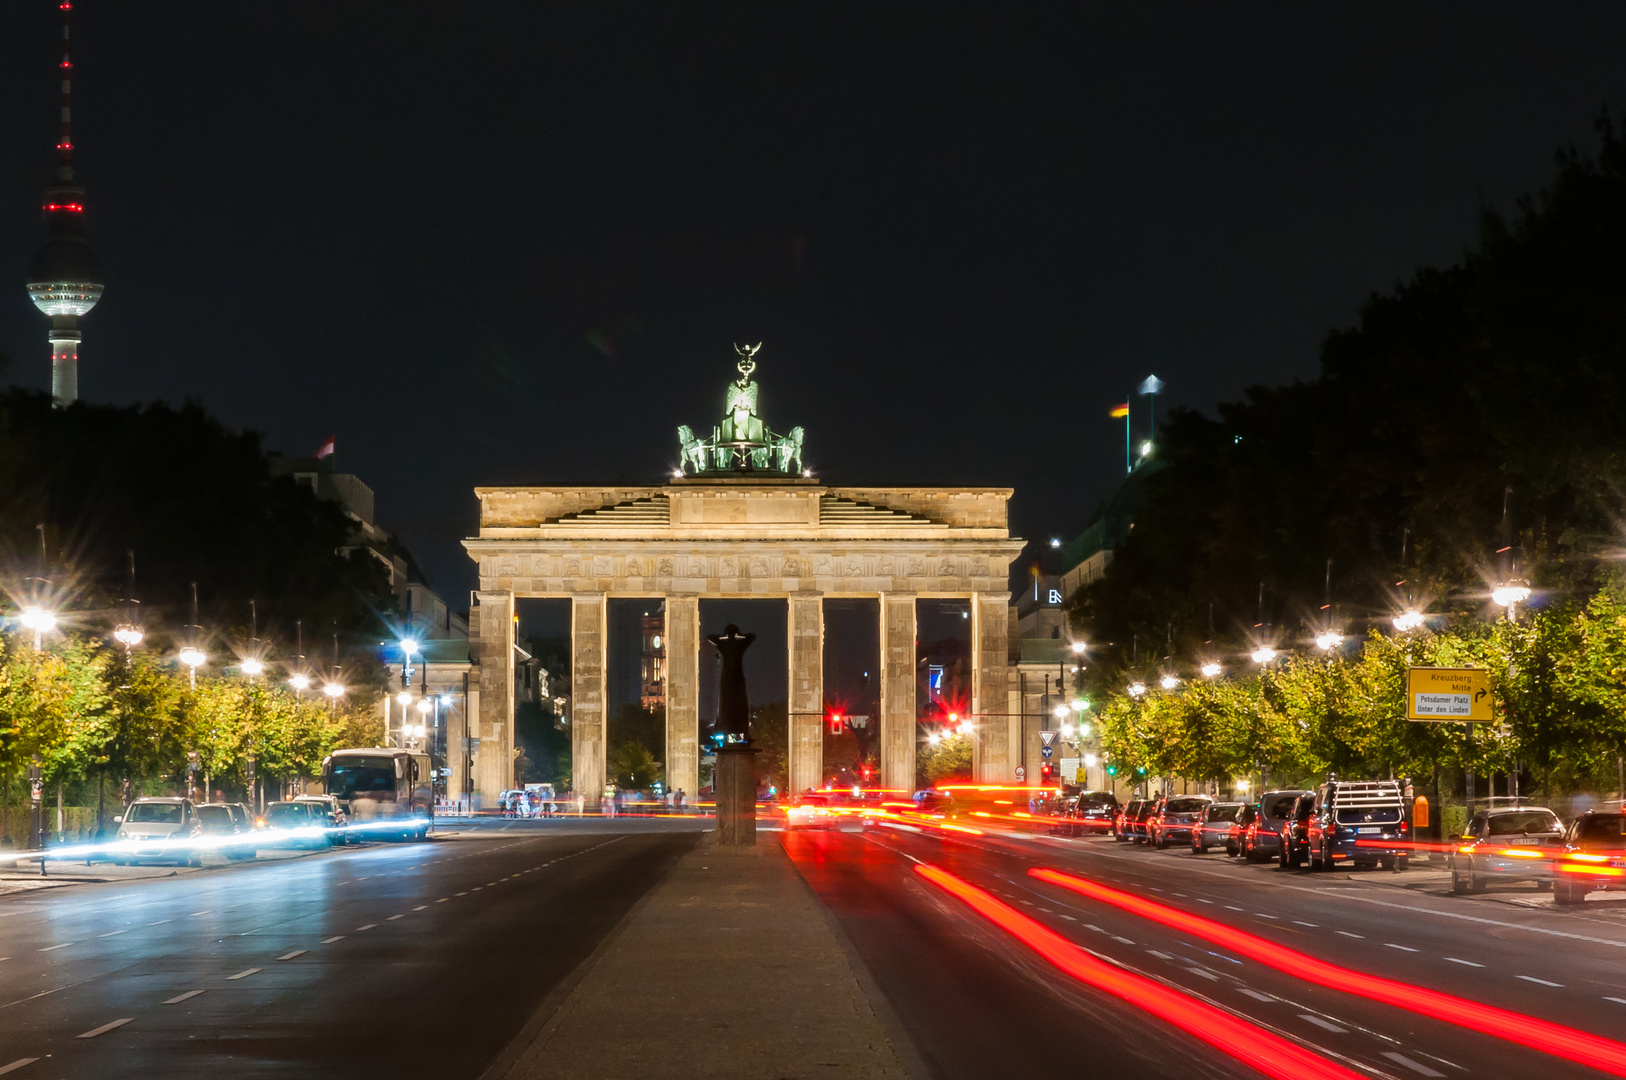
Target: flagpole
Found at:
x=1129, y=444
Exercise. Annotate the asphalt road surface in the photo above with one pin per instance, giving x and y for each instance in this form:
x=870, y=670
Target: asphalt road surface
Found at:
x=412, y=959
x=980, y=1004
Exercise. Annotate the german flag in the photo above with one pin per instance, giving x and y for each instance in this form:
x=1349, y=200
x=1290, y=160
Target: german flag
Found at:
x=1120, y=411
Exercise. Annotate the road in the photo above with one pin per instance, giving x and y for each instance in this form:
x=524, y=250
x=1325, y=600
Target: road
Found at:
x=415, y=959
x=939, y=964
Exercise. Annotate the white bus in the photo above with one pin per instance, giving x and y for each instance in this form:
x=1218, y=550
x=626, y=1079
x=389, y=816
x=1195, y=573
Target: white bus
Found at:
x=384, y=792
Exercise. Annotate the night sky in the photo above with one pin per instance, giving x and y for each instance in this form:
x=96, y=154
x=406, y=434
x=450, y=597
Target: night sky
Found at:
x=503, y=243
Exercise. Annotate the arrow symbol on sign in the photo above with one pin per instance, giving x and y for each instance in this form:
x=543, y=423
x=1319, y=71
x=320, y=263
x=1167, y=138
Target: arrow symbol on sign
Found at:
x=1479, y=694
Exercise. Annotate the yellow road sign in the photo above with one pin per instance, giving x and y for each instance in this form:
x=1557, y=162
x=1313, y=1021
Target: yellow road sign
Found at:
x=1460, y=694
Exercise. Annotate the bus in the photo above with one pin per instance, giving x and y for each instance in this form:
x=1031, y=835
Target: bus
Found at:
x=385, y=792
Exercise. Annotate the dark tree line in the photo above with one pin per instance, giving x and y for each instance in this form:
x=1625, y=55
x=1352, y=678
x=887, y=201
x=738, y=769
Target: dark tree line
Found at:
x=1504, y=373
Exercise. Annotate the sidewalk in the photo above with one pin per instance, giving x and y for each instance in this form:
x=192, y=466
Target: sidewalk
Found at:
x=729, y=968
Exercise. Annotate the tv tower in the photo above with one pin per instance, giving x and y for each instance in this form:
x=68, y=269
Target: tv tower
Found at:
x=65, y=280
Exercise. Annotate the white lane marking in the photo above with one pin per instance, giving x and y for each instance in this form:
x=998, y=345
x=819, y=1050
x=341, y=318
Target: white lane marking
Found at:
x=242, y=974
x=1069, y=918
x=1204, y=973
x=178, y=998
x=331, y=940
x=54, y=948
x=195, y=914
x=1123, y=940
x=114, y=933
x=460, y=894
x=1301, y=922
x=1464, y=963
x=1160, y=955
x=443, y=899
x=105, y=1028
x=1325, y=1025
x=420, y=907
x=15, y=1065
x=392, y=918
x=160, y=922
x=1233, y=907
x=1402, y=948
x=1617, y=1001
x=1200, y=900
x=1346, y=933
x=491, y=883
x=1415, y=1066
x=477, y=888
x=359, y=929
x=1256, y=995
x=1181, y=894
x=296, y=952
x=1542, y=982
x=1262, y=915
x=1094, y=927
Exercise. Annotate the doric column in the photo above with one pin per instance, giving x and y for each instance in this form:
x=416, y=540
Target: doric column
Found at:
x=587, y=672
x=898, y=692
x=494, y=761
x=683, y=695
x=806, y=637
x=990, y=666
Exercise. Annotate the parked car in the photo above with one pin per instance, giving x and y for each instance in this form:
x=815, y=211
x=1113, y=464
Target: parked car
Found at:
x=1091, y=813
x=1362, y=822
x=333, y=817
x=1264, y=835
x=1294, y=835
x=1239, y=828
x=1215, y=826
x=300, y=824
x=158, y=829
x=221, y=829
x=242, y=814
x=1593, y=858
x=1122, y=822
x=1506, y=844
x=1174, y=818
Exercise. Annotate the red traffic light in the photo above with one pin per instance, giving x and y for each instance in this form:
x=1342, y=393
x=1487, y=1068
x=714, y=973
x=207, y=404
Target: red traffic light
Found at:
x=838, y=723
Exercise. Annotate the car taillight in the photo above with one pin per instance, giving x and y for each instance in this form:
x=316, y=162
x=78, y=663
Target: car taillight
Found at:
x=1403, y=826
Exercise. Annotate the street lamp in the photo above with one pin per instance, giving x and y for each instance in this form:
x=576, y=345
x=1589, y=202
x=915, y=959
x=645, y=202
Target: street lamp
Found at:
x=404, y=697
x=1169, y=682
x=251, y=667
x=1137, y=689
x=1264, y=654
x=1408, y=620
x=1516, y=591
x=1328, y=640
x=300, y=682
x=1211, y=670
x=333, y=690
x=38, y=620
x=129, y=635
x=193, y=657
x=1061, y=712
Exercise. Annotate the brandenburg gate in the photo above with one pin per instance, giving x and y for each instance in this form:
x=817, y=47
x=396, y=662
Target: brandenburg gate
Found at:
x=743, y=520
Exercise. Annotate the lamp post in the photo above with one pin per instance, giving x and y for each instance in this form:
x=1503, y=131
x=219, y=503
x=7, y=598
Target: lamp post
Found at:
x=39, y=620
x=251, y=664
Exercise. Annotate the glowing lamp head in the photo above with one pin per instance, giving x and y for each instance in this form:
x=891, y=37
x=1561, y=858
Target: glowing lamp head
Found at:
x=404, y=697
x=251, y=666
x=37, y=619
x=1514, y=592
x=333, y=689
x=1067, y=731
x=129, y=635
x=1211, y=670
x=1080, y=704
x=1242, y=785
x=1083, y=729
x=424, y=706
x=409, y=647
x=1137, y=689
x=1061, y=711
x=1264, y=654
x=1169, y=682
x=965, y=727
x=1091, y=760
x=1328, y=640
x=193, y=657
x=300, y=682
x=1079, y=647
x=934, y=738
x=1408, y=621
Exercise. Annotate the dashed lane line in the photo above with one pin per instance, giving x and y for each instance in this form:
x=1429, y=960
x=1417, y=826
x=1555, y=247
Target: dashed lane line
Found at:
x=1255, y=994
x=359, y=929
x=1346, y=933
x=1402, y=948
x=105, y=1028
x=1301, y=922
x=115, y=933
x=1325, y=1025
x=1617, y=1001
x=392, y=918
x=292, y=955
x=1464, y=963
x=421, y=907
x=331, y=940
x=243, y=974
x=1539, y=982
x=15, y=1065
x=1415, y=1066
x=443, y=899
x=195, y=914
x=54, y=948
x=178, y=998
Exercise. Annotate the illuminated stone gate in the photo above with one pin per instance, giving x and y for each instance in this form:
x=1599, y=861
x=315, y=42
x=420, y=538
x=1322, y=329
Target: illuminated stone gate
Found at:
x=743, y=521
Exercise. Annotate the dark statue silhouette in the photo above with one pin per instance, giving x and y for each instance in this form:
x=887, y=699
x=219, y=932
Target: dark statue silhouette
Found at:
x=733, y=710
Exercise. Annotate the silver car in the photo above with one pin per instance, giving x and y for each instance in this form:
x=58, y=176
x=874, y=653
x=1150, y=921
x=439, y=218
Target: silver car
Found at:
x=160, y=830
x=1506, y=844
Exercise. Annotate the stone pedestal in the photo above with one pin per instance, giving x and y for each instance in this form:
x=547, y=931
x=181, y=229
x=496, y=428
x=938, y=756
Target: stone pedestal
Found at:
x=735, y=784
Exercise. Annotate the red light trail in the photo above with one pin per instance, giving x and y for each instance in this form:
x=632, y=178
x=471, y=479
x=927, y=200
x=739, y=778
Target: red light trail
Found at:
x=1579, y=1046
x=1253, y=1046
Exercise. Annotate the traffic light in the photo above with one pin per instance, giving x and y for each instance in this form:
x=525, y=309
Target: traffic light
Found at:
x=838, y=723
x=1045, y=770
x=1112, y=770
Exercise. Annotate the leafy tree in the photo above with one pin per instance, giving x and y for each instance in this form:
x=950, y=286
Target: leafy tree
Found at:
x=633, y=767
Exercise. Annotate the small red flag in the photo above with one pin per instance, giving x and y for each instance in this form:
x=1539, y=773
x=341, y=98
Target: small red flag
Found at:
x=326, y=449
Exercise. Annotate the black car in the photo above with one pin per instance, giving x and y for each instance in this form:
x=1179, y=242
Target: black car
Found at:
x=225, y=832
x=1123, y=821
x=1594, y=857
x=1294, y=838
x=1092, y=813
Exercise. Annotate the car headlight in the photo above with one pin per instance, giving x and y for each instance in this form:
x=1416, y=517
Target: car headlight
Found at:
x=122, y=835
